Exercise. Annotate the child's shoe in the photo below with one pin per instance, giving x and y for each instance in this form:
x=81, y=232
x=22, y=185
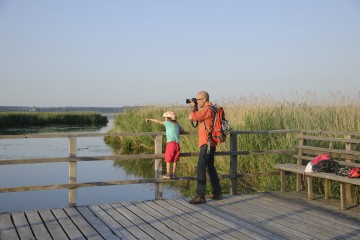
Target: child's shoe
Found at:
x=167, y=176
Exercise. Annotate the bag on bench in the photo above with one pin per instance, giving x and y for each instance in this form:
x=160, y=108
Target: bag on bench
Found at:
x=354, y=173
x=321, y=163
x=344, y=171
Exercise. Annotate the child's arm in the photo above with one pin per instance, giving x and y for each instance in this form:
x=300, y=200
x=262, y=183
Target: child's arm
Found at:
x=154, y=120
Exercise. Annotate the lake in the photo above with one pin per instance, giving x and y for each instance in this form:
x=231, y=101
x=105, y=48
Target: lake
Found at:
x=57, y=173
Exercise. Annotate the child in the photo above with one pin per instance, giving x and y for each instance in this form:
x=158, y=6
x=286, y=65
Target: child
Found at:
x=172, y=150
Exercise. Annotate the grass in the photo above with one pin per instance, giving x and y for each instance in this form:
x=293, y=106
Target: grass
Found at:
x=244, y=114
x=26, y=119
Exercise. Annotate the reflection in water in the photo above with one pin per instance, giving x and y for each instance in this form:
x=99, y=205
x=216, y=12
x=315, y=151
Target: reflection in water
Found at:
x=57, y=173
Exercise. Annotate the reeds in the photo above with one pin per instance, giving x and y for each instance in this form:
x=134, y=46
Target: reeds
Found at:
x=26, y=119
x=244, y=114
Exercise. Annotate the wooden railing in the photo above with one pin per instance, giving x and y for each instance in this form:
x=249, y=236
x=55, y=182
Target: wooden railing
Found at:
x=158, y=155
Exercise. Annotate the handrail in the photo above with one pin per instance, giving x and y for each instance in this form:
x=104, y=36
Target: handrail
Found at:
x=72, y=159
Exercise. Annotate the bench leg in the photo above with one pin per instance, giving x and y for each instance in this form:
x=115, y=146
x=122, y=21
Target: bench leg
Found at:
x=298, y=182
x=310, y=187
x=350, y=194
x=342, y=196
x=282, y=180
x=327, y=188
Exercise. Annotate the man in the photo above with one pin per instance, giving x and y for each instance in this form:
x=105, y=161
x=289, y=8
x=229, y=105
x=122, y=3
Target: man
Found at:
x=205, y=118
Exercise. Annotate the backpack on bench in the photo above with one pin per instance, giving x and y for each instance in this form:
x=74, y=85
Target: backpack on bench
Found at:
x=321, y=163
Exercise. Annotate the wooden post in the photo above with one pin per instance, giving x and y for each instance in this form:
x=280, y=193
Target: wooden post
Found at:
x=302, y=142
x=327, y=186
x=283, y=181
x=349, y=189
x=342, y=196
x=158, y=167
x=233, y=164
x=310, y=187
x=72, y=171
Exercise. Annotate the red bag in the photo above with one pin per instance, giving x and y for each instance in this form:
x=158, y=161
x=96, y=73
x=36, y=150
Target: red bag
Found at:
x=354, y=173
x=319, y=158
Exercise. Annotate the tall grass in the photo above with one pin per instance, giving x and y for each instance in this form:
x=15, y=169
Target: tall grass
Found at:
x=244, y=114
x=25, y=119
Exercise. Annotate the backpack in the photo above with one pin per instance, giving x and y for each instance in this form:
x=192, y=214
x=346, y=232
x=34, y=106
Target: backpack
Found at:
x=221, y=125
x=321, y=163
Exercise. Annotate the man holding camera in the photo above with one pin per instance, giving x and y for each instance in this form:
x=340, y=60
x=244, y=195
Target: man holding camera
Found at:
x=204, y=115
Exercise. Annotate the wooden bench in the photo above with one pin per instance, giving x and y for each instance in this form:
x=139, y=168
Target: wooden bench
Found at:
x=341, y=146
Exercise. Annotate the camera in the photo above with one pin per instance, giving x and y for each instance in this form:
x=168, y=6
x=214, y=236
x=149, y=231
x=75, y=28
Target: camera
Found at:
x=194, y=124
x=192, y=100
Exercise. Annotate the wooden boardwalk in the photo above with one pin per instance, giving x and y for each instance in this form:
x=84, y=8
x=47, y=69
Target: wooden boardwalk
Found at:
x=251, y=216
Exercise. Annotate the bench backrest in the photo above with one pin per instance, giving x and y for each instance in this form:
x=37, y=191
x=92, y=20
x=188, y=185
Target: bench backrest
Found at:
x=343, y=147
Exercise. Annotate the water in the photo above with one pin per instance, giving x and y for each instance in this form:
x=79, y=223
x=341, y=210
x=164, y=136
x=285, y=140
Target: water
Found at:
x=57, y=173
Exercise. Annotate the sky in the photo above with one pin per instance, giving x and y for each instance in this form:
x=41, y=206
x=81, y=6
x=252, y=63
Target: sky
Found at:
x=146, y=52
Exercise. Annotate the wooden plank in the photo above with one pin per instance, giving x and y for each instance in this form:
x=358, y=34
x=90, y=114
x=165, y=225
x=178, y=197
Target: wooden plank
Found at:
x=169, y=223
x=274, y=224
x=115, y=227
x=22, y=226
x=69, y=135
x=52, y=225
x=181, y=226
x=290, y=167
x=138, y=221
x=309, y=215
x=314, y=228
x=37, y=225
x=86, y=229
x=69, y=227
x=186, y=220
x=133, y=232
x=159, y=231
x=223, y=224
x=250, y=229
x=321, y=132
x=97, y=224
x=333, y=152
x=330, y=139
x=213, y=227
x=7, y=228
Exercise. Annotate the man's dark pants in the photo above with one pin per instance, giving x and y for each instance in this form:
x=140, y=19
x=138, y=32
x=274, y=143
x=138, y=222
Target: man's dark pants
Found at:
x=206, y=161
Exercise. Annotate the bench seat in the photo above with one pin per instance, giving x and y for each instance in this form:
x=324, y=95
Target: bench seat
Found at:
x=300, y=169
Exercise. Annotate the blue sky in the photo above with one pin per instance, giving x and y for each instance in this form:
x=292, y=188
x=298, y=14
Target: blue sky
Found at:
x=119, y=53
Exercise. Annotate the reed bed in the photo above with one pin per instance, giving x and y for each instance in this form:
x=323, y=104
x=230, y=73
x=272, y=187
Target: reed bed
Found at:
x=244, y=114
x=26, y=119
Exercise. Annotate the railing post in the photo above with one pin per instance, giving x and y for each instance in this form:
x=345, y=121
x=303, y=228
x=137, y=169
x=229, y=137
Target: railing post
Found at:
x=72, y=171
x=350, y=189
x=158, y=167
x=233, y=163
